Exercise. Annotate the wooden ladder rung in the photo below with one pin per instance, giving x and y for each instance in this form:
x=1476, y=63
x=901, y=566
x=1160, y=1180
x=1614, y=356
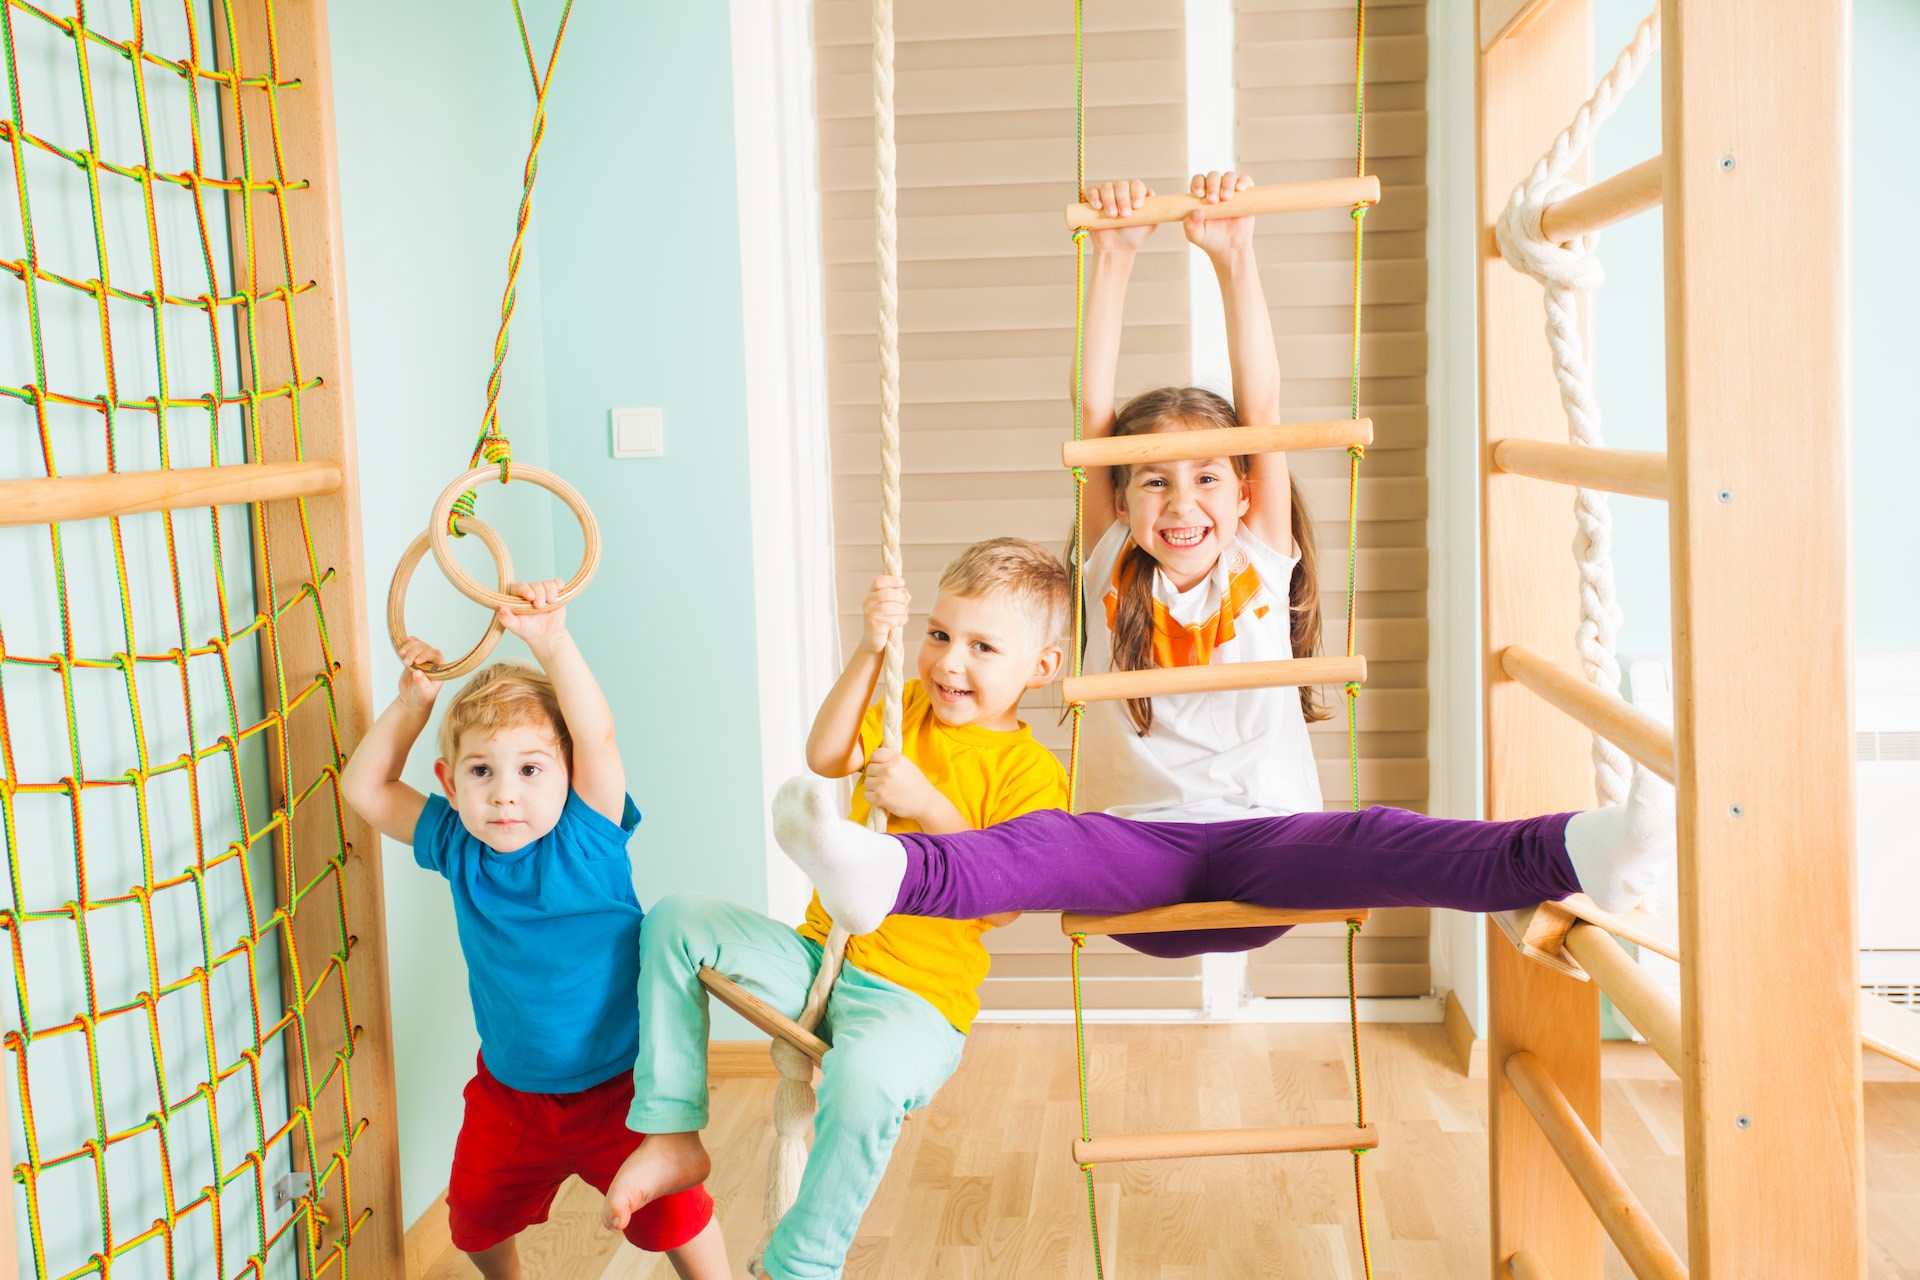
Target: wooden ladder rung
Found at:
x=1217, y=442
x=1633, y=731
x=1604, y=203
x=1633, y=472
x=1889, y=1029
x=1157, y=682
x=761, y=1014
x=1280, y=197
x=1648, y=1009
x=1201, y=915
x=1527, y=1266
x=56, y=499
x=1619, y=1210
x=1225, y=1142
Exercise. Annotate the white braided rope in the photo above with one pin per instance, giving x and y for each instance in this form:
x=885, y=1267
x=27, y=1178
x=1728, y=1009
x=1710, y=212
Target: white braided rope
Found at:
x=793, y=1097
x=1565, y=271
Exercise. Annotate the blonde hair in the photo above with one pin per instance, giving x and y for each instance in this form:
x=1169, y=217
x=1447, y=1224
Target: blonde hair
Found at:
x=498, y=697
x=1196, y=409
x=1031, y=575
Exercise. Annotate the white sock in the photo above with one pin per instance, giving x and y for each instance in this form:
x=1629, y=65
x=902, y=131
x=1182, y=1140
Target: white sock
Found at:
x=1620, y=853
x=857, y=871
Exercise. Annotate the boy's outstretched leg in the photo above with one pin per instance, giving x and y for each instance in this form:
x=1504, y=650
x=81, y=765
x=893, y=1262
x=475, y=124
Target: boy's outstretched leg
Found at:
x=663, y=1164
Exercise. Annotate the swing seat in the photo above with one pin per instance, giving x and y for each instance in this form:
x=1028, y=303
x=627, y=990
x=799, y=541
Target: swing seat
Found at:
x=761, y=1014
x=1203, y=915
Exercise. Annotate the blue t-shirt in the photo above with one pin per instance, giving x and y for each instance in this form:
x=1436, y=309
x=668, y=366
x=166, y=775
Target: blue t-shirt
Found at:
x=551, y=934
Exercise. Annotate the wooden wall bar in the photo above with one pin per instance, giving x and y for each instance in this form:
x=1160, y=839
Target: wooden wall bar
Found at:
x=1529, y=85
x=1756, y=150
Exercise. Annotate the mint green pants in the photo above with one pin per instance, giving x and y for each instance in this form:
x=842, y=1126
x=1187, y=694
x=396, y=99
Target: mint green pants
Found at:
x=891, y=1051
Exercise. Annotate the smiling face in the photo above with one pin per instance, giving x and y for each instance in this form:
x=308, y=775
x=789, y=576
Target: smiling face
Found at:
x=509, y=785
x=981, y=653
x=1183, y=513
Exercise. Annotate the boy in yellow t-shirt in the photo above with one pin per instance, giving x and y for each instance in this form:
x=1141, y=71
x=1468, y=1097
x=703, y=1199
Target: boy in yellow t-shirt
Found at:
x=908, y=993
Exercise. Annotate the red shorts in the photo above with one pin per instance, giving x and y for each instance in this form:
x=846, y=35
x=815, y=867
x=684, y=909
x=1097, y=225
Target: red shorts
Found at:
x=515, y=1149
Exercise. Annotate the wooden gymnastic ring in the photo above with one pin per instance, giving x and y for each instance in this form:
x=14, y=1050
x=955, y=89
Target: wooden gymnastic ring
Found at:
x=443, y=551
x=397, y=600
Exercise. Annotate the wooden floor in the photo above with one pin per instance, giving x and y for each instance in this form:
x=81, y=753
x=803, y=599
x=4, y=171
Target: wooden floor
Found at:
x=981, y=1185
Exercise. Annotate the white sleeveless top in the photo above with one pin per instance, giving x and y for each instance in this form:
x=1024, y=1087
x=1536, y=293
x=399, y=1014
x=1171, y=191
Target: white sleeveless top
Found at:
x=1209, y=756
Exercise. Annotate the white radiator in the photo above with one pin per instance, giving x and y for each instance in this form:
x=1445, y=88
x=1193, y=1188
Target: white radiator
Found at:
x=1886, y=715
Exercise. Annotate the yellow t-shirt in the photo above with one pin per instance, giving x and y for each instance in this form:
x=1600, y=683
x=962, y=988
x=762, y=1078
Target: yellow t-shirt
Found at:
x=990, y=775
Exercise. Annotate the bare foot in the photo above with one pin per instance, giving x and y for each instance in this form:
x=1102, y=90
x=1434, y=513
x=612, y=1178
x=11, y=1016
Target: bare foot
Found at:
x=663, y=1164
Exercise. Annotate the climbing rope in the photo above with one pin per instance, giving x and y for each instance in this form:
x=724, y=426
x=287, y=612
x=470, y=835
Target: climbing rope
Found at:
x=1564, y=272
x=1352, y=690
x=220, y=1203
x=793, y=1098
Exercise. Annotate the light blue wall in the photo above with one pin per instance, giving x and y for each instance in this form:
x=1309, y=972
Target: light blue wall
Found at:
x=639, y=243
x=1631, y=357
x=629, y=295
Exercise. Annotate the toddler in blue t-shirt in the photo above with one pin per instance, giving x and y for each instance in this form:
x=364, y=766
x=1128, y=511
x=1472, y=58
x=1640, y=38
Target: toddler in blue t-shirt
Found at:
x=532, y=838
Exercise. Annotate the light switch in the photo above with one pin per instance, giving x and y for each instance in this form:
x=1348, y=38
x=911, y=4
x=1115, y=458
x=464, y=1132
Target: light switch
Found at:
x=638, y=433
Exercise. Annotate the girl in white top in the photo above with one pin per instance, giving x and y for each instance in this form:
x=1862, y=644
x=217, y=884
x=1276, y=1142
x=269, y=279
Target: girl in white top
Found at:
x=1198, y=562
x=1202, y=561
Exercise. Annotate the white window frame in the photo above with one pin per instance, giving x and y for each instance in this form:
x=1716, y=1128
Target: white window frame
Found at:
x=776, y=151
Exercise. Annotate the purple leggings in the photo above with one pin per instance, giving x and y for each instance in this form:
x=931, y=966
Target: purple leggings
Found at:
x=1056, y=861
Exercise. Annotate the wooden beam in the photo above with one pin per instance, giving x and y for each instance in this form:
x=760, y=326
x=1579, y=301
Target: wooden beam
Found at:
x=1532, y=78
x=1652, y=1012
x=1217, y=442
x=1638, y=474
x=1757, y=148
x=358, y=1215
x=761, y=1014
x=1201, y=915
x=1225, y=1142
x=1612, y=717
x=1639, y=926
x=1604, y=203
x=1157, y=682
x=57, y=499
x=1499, y=19
x=1887, y=1028
x=1280, y=197
x=1612, y=1200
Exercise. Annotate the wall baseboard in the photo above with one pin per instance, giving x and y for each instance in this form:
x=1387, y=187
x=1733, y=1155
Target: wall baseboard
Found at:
x=1469, y=1050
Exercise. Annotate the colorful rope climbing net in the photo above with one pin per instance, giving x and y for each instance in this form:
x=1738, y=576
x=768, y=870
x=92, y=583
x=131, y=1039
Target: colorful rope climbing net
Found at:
x=1351, y=691
x=174, y=1051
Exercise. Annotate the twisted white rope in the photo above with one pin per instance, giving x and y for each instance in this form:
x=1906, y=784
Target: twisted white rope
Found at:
x=1566, y=270
x=793, y=1097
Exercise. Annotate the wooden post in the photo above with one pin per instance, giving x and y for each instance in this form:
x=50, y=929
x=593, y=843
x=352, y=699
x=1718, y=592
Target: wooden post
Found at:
x=1537, y=761
x=306, y=751
x=1757, y=259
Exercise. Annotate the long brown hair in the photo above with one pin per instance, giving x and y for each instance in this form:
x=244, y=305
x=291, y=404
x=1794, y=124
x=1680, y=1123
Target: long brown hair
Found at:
x=1195, y=409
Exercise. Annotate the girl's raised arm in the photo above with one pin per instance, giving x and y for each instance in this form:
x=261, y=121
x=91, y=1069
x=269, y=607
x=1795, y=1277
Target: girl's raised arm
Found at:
x=1228, y=244
x=1113, y=252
